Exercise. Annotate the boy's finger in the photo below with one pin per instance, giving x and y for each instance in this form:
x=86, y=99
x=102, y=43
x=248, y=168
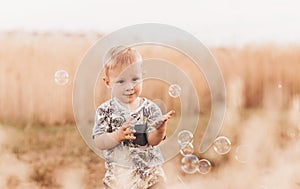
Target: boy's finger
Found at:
x=125, y=127
x=129, y=131
x=162, y=119
x=130, y=137
x=127, y=124
x=170, y=113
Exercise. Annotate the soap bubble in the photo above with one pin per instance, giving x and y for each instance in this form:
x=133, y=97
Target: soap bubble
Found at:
x=241, y=153
x=187, y=149
x=279, y=86
x=291, y=134
x=222, y=145
x=189, y=164
x=204, y=166
x=185, y=137
x=174, y=90
x=61, y=77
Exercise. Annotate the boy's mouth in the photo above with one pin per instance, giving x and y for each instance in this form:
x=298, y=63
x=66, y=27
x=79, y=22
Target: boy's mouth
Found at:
x=129, y=94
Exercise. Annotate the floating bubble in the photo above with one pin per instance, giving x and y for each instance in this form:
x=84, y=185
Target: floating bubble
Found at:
x=61, y=77
x=291, y=134
x=222, y=145
x=174, y=90
x=279, y=86
x=189, y=164
x=241, y=153
x=185, y=137
x=204, y=166
x=187, y=149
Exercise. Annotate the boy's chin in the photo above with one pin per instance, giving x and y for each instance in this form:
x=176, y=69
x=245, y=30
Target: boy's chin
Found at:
x=127, y=100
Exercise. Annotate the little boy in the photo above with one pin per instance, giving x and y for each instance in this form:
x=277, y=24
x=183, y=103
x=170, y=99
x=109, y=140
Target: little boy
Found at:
x=127, y=127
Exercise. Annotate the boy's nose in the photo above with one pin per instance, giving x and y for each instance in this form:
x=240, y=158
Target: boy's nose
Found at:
x=129, y=86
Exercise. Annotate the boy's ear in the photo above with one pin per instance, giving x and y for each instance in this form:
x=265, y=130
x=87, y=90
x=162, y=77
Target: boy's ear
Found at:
x=106, y=81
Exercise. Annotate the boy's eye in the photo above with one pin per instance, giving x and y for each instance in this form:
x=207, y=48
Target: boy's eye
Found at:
x=136, y=79
x=120, y=81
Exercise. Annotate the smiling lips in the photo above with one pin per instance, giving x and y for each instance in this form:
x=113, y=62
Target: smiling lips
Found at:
x=129, y=94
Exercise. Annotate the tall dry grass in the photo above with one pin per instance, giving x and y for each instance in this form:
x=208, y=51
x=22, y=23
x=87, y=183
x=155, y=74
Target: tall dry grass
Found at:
x=255, y=76
x=262, y=77
x=28, y=62
x=267, y=73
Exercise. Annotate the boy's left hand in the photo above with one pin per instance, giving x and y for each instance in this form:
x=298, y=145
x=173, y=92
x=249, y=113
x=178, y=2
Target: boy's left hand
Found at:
x=163, y=119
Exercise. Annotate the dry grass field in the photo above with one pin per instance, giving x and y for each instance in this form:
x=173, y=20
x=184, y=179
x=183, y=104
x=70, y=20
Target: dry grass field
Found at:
x=40, y=146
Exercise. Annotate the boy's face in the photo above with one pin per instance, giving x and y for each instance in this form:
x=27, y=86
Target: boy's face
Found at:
x=126, y=83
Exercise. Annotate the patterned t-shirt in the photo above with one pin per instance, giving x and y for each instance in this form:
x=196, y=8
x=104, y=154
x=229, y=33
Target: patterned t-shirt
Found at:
x=141, y=161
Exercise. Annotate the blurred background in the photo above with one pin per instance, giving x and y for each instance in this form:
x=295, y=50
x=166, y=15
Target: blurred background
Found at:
x=255, y=43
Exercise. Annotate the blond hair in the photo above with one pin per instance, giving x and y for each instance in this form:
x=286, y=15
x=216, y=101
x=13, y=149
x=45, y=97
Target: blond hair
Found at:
x=120, y=56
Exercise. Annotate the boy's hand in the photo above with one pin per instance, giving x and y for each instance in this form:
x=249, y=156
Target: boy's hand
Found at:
x=125, y=132
x=158, y=134
x=163, y=119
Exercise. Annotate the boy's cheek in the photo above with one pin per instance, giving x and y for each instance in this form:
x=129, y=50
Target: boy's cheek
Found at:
x=117, y=89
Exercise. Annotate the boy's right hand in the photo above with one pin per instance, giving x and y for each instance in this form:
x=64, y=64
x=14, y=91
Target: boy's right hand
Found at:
x=125, y=132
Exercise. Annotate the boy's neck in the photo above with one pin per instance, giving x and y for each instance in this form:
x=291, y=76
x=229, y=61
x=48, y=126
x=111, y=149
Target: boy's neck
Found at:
x=131, y=106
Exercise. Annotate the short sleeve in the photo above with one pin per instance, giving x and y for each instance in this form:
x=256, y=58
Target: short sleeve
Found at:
x=101, y=124
x=154, y=114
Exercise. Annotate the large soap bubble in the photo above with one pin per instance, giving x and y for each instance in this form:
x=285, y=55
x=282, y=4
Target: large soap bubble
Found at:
x=174, y=90
x=222, y=145
x=241, y=153
x=187, y=149
x=204, y=166
x=189, y=164
x=185, y=137
x=61, y=77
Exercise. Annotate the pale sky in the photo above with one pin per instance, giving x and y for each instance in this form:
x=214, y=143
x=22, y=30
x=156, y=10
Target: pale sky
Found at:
x=214, y=22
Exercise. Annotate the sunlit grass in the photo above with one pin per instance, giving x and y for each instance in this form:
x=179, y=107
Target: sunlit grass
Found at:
x=49, y=149
x=28, y=61
x=40, y=138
